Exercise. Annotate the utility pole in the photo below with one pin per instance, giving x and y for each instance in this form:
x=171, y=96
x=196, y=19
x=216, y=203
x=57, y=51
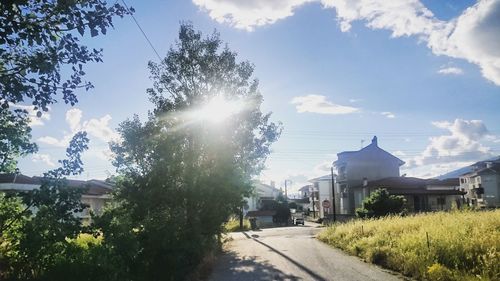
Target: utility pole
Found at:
x=314, y=210
x=286, y=191
x=333, y=198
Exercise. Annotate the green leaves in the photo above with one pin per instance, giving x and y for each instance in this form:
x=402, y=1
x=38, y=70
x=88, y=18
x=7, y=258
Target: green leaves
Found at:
x=37, y=40
x=15, y=134
x=380, y=203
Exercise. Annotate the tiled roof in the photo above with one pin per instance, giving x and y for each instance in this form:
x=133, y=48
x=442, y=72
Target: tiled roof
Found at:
x=94, y=187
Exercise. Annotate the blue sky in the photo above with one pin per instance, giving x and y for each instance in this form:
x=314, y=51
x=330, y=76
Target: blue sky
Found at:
x=424, y=76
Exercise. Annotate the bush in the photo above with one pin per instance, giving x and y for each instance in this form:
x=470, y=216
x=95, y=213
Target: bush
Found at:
x=380, y=203
x=233, y=224
x=463, y=245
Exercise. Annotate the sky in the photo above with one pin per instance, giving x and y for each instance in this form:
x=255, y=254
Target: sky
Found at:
x=423, y=76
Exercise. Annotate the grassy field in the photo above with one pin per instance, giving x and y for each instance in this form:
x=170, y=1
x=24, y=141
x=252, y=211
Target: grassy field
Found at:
x=435, y=246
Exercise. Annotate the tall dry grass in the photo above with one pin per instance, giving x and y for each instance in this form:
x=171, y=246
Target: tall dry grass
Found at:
x=459, y=245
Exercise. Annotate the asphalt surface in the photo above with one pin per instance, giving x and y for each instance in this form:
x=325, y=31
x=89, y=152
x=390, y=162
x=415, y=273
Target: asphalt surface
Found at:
x=290, y=253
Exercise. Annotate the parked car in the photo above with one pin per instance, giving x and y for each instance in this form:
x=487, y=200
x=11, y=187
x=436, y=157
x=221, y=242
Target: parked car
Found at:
x=298, y=218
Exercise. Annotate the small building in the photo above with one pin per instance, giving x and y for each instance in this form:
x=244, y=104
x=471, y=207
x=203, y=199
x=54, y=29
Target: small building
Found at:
x=322, y=190
x=262, y=195
x=96, y=192
x=482, y=185
x=421, y=195
x=263, y=218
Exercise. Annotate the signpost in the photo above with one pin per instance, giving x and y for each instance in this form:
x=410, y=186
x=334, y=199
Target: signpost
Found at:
x=326, y=204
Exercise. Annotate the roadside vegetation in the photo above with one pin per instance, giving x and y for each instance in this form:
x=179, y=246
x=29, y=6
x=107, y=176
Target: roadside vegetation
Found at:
x=233, y=224
x=459, y=245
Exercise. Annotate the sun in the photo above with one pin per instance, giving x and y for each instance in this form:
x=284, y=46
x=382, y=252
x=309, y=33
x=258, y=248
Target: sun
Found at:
x=219, y=109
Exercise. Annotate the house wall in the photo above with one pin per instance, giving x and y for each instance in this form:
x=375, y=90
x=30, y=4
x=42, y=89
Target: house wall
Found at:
x=491, y=185
x=325, y=193
x=371, y=163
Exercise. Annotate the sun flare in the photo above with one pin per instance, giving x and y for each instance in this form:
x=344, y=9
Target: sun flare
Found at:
x=219, y=109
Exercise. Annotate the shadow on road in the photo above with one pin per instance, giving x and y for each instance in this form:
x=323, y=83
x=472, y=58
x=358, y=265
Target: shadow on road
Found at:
x=310, y=272
x=248, y=268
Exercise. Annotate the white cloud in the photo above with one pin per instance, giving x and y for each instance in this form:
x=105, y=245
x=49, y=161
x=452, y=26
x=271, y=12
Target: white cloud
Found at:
x=388, y=114
x=95, y=127
x=462, y=144
x=64, y=142
x=73, y=118
x=100, y=129
x=44, y=158
x=399, y=153
x=319, y=104
x=355, y=100
x=473, y=36
x=248, y=14
x=34, y=120
x=451, y=71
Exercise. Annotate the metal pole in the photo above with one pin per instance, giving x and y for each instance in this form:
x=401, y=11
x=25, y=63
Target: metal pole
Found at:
x=314, y=210
x=286, y=192
x=333, y=198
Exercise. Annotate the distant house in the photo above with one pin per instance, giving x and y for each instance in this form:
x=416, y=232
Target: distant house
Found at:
x=353, y=167
x=421, y=194
x=482, y=185
x=97, y=192
x=304, y=202
x=263, y=194
x=264, y=218
x=322, y=187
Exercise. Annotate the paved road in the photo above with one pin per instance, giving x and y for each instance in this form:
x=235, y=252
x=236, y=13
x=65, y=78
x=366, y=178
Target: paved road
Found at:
x=290, y=253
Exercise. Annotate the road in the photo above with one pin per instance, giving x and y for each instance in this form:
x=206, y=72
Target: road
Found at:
x=290, y=253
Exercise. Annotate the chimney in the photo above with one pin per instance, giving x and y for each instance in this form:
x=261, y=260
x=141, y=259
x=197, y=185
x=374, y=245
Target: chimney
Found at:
x=273, y=184
x=365, y=182
x=374, y=141
x=489, y=165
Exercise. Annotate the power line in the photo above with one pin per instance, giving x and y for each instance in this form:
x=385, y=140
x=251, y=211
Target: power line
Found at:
x=142, y=31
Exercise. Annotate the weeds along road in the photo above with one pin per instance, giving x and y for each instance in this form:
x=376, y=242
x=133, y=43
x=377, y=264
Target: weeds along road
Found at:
x=290, y=253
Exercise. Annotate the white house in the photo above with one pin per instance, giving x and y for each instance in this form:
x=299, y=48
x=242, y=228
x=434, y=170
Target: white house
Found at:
x=354, y=167
x=97, y=192
x=262, y=193
x=322, y=187
x=482, y=184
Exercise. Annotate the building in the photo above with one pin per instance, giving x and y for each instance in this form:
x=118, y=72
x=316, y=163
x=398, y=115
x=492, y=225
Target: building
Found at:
x=482, y=185
x=371, y=163
x=322, y=189
x=96, y=192
x=262, y=194
x=421, y=195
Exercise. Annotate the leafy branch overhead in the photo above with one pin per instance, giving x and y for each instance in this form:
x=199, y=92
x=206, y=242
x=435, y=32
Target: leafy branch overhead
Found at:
x=39, y=44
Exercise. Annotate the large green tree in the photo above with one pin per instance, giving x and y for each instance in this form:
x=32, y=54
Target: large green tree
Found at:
x=186, y=169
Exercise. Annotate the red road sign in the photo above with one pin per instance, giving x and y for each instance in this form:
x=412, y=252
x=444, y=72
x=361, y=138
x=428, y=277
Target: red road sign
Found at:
x=326, y=204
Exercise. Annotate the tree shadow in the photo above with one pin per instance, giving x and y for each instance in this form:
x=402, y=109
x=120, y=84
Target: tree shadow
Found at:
x=232, y=267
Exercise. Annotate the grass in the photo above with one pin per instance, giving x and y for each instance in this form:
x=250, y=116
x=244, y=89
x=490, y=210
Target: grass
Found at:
x=461, y=245
x=234, y=225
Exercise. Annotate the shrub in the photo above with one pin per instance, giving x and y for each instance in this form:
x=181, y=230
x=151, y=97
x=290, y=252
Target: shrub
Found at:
x=233, y=224
x=381, y=203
